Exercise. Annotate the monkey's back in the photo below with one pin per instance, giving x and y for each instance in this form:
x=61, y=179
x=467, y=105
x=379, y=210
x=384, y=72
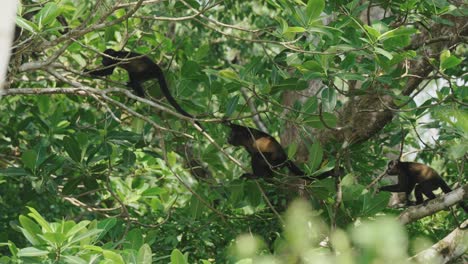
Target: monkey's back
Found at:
x=422, y=172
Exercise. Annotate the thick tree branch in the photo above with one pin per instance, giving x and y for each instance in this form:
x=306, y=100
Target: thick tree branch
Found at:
x=417, y=212
x=449, y=248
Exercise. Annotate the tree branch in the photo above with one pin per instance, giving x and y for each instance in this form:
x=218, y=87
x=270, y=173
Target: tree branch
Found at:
x=449, y=248
x=417, y=212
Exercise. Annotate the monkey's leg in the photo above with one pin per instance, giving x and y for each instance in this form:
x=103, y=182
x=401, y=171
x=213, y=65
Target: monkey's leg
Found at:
x=418, y=194
x=136, y=86
x=427, y=189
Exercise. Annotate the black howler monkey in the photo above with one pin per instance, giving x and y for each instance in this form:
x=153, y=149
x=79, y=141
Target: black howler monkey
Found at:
x=265, y=152
x=422, y=178
x=140, y=68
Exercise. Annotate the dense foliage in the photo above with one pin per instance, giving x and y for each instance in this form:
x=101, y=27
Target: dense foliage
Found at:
x=89, y=173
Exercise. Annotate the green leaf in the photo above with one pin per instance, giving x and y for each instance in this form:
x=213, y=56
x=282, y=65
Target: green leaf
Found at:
x=314, y=9
x=229, y=74
x=374, y=204
x=291, y=84
x=29, y=159
x=72, y=148
x=74, y=260
x=77, y=228
x=14, y=172
x=292, y=149
x=294, y=30
x=449, y=62
x=26, y=24
x=32, y=252
x=315, y=156
x=47, y=14
x=30, y=230
x=398, y=32
x=232, y=105
x=106, y=225
x=372, y=32
x=177, y=257
x=40, y=220
x=383, y=52
x=55, y=238
x=88, y=234
x=134, y=239
x=196, y=207
x=145, y=255
x=113, y=257
x=328, y=99
x=153, y=192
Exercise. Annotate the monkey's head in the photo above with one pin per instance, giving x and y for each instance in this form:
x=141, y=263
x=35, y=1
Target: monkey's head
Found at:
x=393, y=167
x=106, y=60
x=238, y=135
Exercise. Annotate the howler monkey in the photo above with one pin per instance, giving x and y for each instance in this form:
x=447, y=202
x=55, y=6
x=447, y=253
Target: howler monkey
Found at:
x=265, y=152
x=140, y=68
x=422, y=178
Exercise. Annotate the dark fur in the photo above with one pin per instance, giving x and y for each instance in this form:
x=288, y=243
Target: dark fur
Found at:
x=422, y=178
x=265, y=152
x=140, y=68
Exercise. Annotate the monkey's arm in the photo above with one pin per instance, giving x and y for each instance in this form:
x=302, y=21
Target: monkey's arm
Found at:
x=393, y=188
x=101, y=72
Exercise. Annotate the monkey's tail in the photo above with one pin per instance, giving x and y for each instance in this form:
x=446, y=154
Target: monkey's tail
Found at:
x=298, y=172
x=170, y=98
x=445, y=188
x=294, y=169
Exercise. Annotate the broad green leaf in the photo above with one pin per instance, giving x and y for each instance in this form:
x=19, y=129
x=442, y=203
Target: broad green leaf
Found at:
x=328, y=99
x=113, y=257
x=144, y=254
x=450, y=62
x=232, y=105
x=13, y=172
x=229, y=74
x=72, y=148
x=30, y=230
x=398, y=32
x=372, y=32
x=55, y=237
x=32, y=252
x=177, y=257
x=314, y=9
x=315, y=156
x=294, y=30
x=312, y=66
x=74, y=260
x=383, y=52
x=47, y=14
x=12, y=247
x=153, y=192
x=196, y=207
x=106, y=225
x=88, y=234
x=134, y=239
x=77, y=228
x=39, y=219
x=373, y=204
x=291, y=84
x=29, y=159
x=171, y=159
x=292, y=149
x=26, y=24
